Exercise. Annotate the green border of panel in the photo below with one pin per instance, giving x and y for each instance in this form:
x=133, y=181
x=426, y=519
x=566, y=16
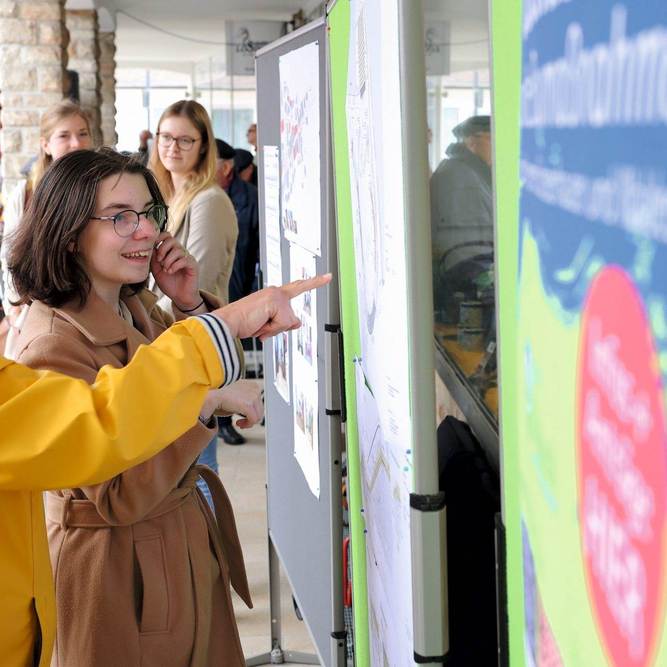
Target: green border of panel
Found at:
x=506, y=59
x=339, y=37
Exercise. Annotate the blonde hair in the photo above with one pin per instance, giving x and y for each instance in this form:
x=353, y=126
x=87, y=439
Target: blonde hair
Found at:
x=203, y=175
x=47, y=124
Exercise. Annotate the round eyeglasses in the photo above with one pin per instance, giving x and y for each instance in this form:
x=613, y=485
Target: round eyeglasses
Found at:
x=184, y=143
x=125, y=223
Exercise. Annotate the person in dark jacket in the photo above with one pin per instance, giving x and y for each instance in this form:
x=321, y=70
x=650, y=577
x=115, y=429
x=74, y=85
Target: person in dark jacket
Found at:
x=462, y=213
x=244, y=198
x=242, y=279
x=245, y=166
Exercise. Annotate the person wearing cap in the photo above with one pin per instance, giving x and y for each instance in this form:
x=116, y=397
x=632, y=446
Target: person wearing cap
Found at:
x=462, y=213
x=244, y=162
x=244, y=199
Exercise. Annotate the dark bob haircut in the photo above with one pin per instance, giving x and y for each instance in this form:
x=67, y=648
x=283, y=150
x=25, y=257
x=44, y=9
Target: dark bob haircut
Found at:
x=42, y=261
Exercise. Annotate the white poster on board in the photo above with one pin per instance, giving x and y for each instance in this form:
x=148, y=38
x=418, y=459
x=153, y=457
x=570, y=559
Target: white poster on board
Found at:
x=386, y=503
x=383, y=395
x=274, y=264
x=305, y=372
x=300, y=146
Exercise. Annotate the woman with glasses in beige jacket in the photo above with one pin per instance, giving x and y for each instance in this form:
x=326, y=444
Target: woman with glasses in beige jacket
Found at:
x=201, y=215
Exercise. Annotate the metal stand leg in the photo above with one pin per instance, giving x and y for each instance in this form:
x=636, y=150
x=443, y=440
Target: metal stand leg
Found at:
x=277, y=656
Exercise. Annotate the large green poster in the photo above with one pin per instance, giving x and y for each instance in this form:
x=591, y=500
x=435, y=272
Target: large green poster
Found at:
x=583, y=312
x=339, y=37
x=506, y=62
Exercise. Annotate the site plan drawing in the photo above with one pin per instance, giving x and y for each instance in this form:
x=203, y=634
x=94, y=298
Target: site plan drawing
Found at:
x=382, y=373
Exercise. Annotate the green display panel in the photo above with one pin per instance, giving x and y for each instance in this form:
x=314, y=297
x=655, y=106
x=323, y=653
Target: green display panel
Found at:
x=583, y=320
x=506, y=63
x=339, y=33
x=376, y=51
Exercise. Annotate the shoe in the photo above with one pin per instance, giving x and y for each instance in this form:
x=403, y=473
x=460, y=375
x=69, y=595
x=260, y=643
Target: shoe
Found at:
x=230, y=435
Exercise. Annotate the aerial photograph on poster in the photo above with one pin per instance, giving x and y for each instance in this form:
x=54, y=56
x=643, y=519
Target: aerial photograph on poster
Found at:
x=305, y=371
x=300, y=147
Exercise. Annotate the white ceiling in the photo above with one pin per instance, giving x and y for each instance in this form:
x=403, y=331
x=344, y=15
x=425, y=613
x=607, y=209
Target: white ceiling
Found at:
x=198, y=27
x=193, y=23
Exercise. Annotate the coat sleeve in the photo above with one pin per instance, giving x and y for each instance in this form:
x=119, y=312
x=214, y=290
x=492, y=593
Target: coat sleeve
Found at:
x=131, y=495
x=59, y=432
x=212, y=238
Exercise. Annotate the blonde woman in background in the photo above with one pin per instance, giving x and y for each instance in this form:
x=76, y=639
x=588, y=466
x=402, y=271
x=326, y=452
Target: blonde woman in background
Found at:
x=201, y=215
x=63, y=128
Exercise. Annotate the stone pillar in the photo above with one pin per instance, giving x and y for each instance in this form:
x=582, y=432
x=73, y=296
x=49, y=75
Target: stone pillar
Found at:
x=107, y=42
x=84, y=55
x=33, y=39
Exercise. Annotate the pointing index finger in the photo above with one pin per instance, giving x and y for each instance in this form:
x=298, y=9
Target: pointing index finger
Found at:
x=300, y=286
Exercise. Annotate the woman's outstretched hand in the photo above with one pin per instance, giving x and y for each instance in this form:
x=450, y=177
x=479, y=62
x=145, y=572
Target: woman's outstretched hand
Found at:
x=268, y=312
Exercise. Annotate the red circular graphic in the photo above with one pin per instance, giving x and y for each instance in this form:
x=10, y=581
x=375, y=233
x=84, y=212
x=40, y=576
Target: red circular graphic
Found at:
x=622, y=469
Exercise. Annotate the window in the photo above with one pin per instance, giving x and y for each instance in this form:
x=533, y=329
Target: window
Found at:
x=141, y=97
x=459, y=136
x=229, y=99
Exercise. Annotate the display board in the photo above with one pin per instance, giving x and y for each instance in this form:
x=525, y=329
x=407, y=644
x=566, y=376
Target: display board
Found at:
x=302, y=393
x=338, y=22
x=383, y=406
x=388, y=329
x=588, y=352
x=506, y=90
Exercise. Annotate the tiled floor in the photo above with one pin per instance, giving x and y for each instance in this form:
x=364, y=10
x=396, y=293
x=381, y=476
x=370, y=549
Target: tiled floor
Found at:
x=243, y=471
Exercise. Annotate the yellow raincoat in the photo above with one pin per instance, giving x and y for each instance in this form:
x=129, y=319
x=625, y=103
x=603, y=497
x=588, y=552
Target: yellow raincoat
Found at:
x=57, y=432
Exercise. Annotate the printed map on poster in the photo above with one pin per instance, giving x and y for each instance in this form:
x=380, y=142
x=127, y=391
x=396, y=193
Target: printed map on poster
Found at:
x=384, y=420
x=305, y=372
x=386, y=504
x=300, y=146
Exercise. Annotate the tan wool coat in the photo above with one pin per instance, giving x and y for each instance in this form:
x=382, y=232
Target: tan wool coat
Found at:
x=142, y=567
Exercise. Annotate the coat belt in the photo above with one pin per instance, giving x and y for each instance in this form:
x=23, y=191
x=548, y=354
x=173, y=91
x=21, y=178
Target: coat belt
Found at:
x=71, y=512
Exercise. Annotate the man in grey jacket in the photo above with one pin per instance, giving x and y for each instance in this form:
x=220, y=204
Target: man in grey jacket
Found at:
x=462, y=214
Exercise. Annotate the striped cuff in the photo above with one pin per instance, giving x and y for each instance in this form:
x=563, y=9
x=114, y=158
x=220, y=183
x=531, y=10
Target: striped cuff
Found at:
x=225, y=345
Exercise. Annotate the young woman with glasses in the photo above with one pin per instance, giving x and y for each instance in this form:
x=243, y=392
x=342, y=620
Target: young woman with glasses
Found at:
x=202, y=217
x=63, y=128
x=142, y=566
